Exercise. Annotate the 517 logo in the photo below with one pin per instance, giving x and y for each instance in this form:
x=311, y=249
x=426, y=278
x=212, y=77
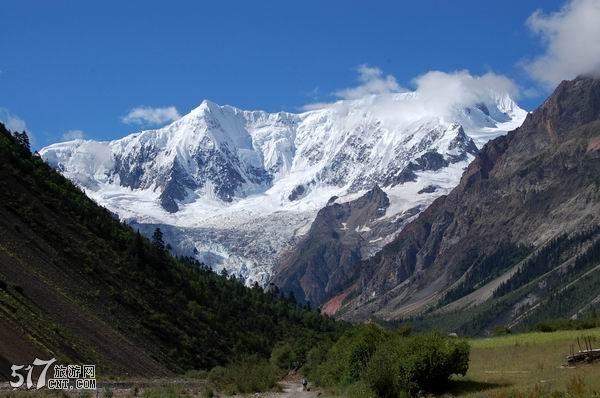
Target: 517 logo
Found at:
x=41, y=380
x=83, y=376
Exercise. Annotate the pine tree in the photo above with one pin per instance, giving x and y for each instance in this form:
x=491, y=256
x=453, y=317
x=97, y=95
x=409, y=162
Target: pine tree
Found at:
x=157, y=240
x=291, y=298
x=136, y=249
x=23, y=141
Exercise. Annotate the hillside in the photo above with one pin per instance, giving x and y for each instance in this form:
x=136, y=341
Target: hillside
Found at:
x=516, y=241
x=78, y=284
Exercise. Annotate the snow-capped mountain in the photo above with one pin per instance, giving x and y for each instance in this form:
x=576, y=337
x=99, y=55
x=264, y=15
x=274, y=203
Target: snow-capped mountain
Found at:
x=237, y=187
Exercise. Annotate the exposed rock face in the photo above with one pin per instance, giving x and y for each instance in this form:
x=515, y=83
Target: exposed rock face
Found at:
x=428, y=189
x=297, y=192
x=327, y=257
x=524, y=191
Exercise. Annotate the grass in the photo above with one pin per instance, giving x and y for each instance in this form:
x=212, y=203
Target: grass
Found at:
x=562, y=336
x=533, y=364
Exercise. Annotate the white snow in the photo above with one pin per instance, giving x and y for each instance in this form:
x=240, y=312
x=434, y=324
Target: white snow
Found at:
x=340, y=150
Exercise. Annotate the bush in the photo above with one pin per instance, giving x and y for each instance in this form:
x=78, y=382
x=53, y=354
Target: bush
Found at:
x=552, y=325
x=500, y=330
x=315, y=357
x=348, y=357
x=409, y=364
x=360, y=389
x=292, y=353
x=283, y=357
x=247, y=375
x=199, y=374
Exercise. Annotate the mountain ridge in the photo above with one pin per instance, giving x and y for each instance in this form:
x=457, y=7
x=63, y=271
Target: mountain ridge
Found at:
x=220, y=171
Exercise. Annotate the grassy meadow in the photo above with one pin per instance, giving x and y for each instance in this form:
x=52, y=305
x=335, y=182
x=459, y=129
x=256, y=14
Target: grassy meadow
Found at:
x=529, y=365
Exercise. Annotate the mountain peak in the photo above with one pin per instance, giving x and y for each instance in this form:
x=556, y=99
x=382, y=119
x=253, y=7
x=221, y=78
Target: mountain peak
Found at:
x=204, y=107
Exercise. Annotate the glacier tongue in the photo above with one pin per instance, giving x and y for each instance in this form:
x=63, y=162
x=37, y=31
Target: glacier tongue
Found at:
x=237, y=187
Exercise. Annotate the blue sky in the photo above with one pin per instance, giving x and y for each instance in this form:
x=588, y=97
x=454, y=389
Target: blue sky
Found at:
x=82, y=66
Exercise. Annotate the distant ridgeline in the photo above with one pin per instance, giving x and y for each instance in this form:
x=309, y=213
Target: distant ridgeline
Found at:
x=78, y=284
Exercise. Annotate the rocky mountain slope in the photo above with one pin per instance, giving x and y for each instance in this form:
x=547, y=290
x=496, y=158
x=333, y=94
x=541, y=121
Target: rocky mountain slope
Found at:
x=516, y=240
x=237, y=188
x=326, y=259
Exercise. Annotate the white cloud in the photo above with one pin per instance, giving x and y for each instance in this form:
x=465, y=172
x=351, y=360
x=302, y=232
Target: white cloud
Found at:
x=372, y=81
x=439, y=91
x=15, y=123
x=146, y=115
x=571, y=38
x=12, y=122
x=436, y=94
x=73, y=135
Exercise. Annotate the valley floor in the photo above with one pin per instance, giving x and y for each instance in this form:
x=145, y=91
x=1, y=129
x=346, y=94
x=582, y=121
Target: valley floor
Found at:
x=530, y=364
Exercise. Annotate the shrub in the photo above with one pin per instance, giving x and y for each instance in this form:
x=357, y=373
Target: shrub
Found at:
x=220, y=377
x=348, y=357
x=359, y=389
x=283, y=357
x=500, y=330
x=199, y=374
x=552, y=325
x=409, y=364
x=247, y=375
x=315, y=357
x=292, y=353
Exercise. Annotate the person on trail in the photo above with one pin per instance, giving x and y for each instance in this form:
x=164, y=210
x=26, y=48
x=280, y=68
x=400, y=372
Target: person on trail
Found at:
x=304, y=383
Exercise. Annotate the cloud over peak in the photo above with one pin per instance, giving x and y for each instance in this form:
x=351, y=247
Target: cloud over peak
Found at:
x=436, y=93
x=372, y=81
x=146, y=115
x=442, y=90
x=571, y=37
x=73, y=135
